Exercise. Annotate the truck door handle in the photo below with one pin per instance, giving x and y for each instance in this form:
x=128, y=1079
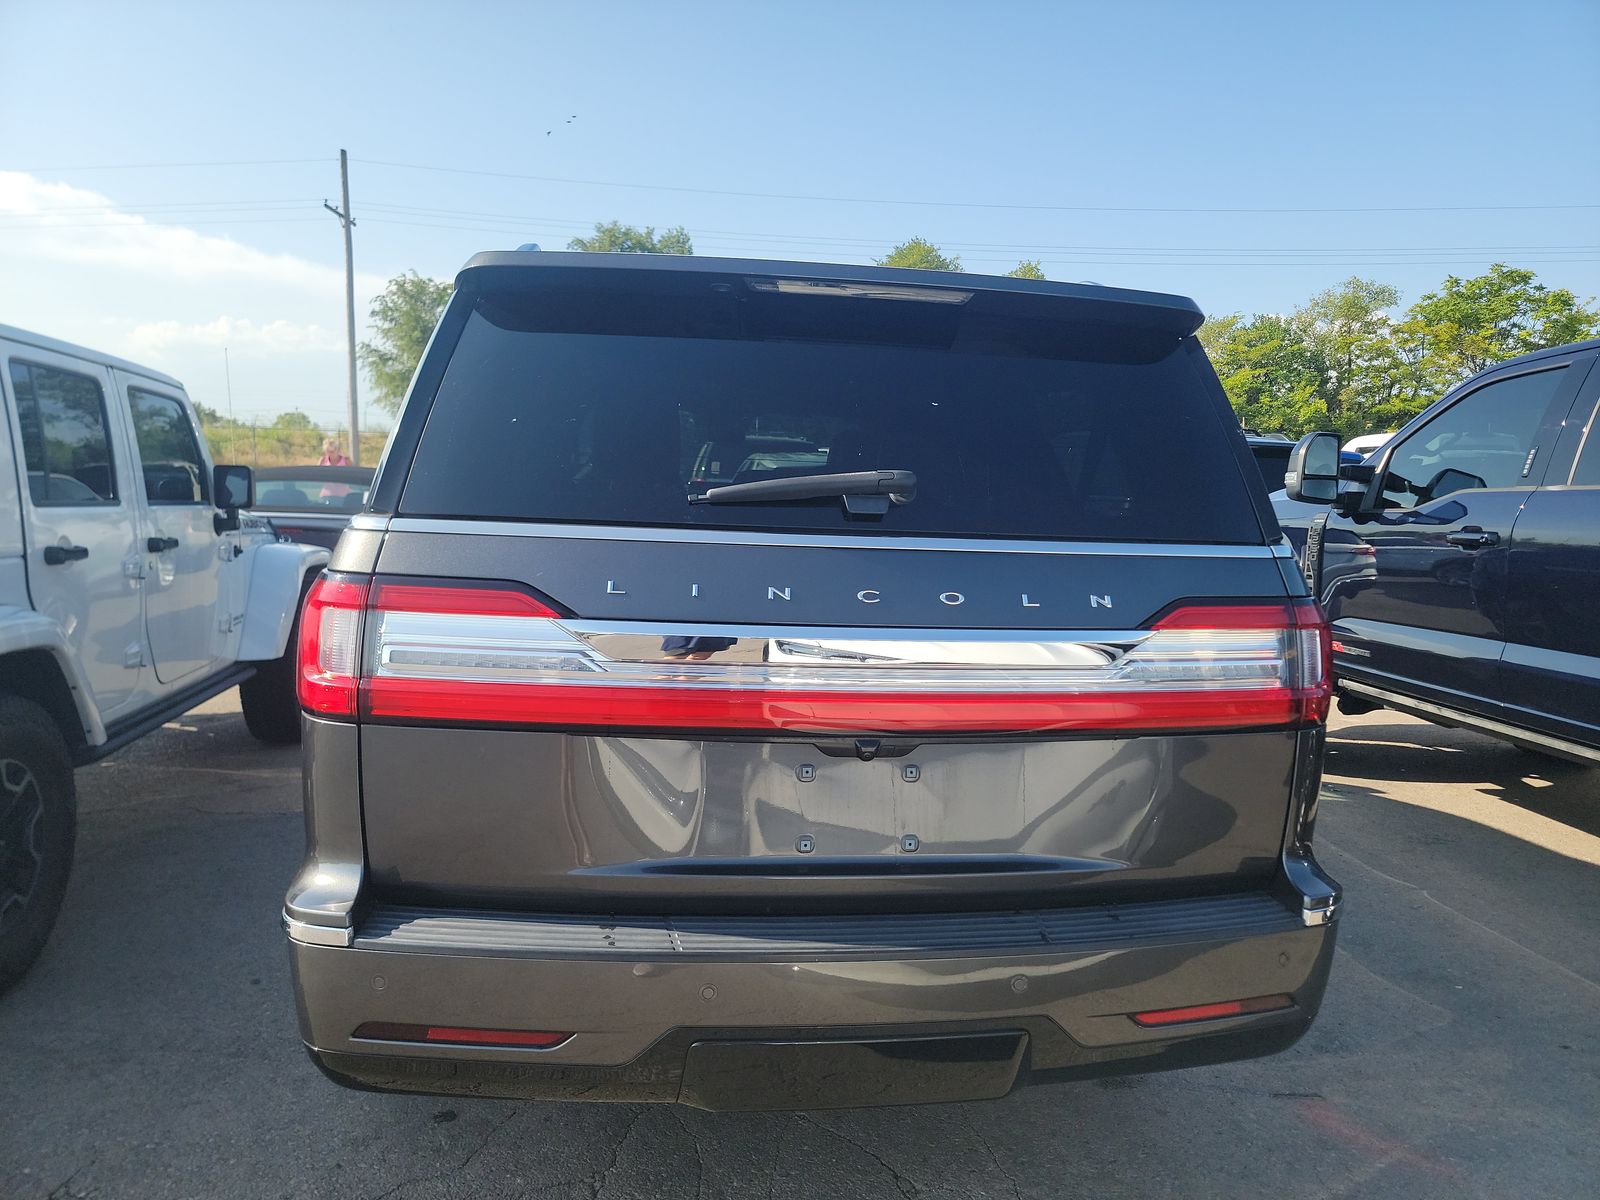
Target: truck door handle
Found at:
x=54, y=556
x=160, y=545
x=1473, y=537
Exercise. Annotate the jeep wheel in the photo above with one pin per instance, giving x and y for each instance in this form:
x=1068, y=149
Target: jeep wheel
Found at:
x=38, y=817
x=270, y=698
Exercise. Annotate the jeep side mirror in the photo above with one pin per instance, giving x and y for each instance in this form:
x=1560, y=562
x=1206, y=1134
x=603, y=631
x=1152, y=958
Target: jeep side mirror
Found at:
x=233, y=487
x=1313, y=473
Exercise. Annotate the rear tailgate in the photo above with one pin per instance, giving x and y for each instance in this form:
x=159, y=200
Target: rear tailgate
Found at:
x=1066, y=664
x=866, y=807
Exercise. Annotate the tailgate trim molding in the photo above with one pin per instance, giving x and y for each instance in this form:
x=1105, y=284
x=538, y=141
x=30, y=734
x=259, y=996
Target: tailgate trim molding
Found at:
x=1047, y=931
x=748, y=537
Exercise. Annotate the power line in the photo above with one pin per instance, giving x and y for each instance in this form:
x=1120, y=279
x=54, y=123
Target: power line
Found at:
x=574, y=222
x=1093, y=256
x=148, y=166
x=1079, y=208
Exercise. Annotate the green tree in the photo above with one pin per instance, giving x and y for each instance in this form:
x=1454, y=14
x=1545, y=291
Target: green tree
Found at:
x=1270, y=371
x=294, y=419
x=1351, y=337
x=1469, y=324
x=1028, y=268
x=922, y=255
x=403, y=318
x=208, y=416
x=613, y=237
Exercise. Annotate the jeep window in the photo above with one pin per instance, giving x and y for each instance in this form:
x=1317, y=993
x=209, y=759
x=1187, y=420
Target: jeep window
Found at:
x=1014, y=427
x=174, y=471
x=64, y=441
x=1484, y=440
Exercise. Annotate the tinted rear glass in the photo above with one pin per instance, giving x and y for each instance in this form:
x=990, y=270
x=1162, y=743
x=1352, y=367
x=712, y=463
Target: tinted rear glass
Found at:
x=1274, y=463
x=588, y=413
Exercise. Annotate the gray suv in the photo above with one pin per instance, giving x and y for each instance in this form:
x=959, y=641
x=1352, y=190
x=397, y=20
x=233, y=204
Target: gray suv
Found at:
x=766, y=685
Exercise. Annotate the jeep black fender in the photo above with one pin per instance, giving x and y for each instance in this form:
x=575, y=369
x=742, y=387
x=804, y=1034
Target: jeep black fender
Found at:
x=22, y=629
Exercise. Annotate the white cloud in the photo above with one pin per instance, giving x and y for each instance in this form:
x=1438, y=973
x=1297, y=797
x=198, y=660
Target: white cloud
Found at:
x=240, y=335
x=59, y=222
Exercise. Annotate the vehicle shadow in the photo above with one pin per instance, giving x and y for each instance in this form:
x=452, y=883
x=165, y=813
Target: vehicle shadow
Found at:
x=1374, y=758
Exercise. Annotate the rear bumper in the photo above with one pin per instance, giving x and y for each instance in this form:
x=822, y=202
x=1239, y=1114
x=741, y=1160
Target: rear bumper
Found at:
x=757, y=1013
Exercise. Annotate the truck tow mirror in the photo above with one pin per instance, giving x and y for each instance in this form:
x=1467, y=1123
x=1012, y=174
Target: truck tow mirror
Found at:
x=1313, y=473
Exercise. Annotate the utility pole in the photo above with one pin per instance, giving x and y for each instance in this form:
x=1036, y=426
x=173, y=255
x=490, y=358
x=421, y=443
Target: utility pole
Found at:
x=227, y=373
x=349, y=297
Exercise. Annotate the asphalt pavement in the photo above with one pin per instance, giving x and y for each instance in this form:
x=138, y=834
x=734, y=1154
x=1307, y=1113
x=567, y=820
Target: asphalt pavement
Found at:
x=153, y=1051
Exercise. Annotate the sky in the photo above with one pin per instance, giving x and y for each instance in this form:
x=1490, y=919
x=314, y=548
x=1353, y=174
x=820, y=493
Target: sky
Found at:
x=163, y=165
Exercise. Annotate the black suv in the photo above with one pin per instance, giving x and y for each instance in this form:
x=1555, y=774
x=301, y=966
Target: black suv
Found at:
x=1460, y=567
x=772, y=685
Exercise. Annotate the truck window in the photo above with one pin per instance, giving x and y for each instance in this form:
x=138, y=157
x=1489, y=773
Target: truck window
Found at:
x=64, y=440
x=174, y=471
x=1484, y=440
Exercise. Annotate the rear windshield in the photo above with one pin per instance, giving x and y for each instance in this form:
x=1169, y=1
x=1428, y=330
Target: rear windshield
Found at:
x=614, y=418
x=1273, y=460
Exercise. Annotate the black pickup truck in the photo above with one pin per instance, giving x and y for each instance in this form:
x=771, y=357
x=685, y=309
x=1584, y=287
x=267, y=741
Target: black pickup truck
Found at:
x=1460, y=566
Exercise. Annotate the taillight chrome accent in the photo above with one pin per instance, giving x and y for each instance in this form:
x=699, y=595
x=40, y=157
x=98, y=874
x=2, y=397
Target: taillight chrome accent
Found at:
x=493, y=654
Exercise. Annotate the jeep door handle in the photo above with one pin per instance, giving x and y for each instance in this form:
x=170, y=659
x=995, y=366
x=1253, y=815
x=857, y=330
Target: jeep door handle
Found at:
x=160, y=545
x=1473, y=537
x=54, y=556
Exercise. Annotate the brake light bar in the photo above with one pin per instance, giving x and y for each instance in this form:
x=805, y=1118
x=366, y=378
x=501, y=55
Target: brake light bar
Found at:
x=491, y=654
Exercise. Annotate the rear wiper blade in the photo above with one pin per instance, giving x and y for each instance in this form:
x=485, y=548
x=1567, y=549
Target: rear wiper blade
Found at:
x=899, y=486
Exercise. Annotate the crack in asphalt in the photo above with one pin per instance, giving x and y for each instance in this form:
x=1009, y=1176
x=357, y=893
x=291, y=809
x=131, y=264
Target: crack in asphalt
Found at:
x=1016, y=1188
x=699, y=1154
x=60, y=1189
x=907, y=1187
x=428, y=1176
x=596, y=1187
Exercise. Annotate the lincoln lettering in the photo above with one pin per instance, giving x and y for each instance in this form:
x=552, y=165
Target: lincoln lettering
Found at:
x=871, y=595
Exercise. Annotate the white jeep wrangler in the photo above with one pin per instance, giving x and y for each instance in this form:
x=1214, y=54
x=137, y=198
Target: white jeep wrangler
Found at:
x=132, y=587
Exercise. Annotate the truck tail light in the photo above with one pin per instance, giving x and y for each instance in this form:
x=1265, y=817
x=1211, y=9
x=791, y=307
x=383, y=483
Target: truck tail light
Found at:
x=330, y=646
x=492, y=654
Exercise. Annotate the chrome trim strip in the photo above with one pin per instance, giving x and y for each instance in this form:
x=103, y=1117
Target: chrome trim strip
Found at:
x=372, y=521
x=587, y=629
x=317, y=935
x=1326, y=913
x=1424, y=708
x=742, y=537
x=1081, y=928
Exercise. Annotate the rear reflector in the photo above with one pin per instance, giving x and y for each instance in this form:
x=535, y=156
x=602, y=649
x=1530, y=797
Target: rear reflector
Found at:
x=487, y=654
x=1211, y=1012
x=455, y=1035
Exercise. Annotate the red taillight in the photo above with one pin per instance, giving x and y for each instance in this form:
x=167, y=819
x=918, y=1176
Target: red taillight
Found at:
x=471, y=601
x=488, y=654
x=1309, y=682
x=456, y=1035
x=1211, y=1012
x=330, y=646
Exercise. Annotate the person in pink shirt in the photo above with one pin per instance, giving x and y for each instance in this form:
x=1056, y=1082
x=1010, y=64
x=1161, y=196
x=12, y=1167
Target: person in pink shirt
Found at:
x=333, y=456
